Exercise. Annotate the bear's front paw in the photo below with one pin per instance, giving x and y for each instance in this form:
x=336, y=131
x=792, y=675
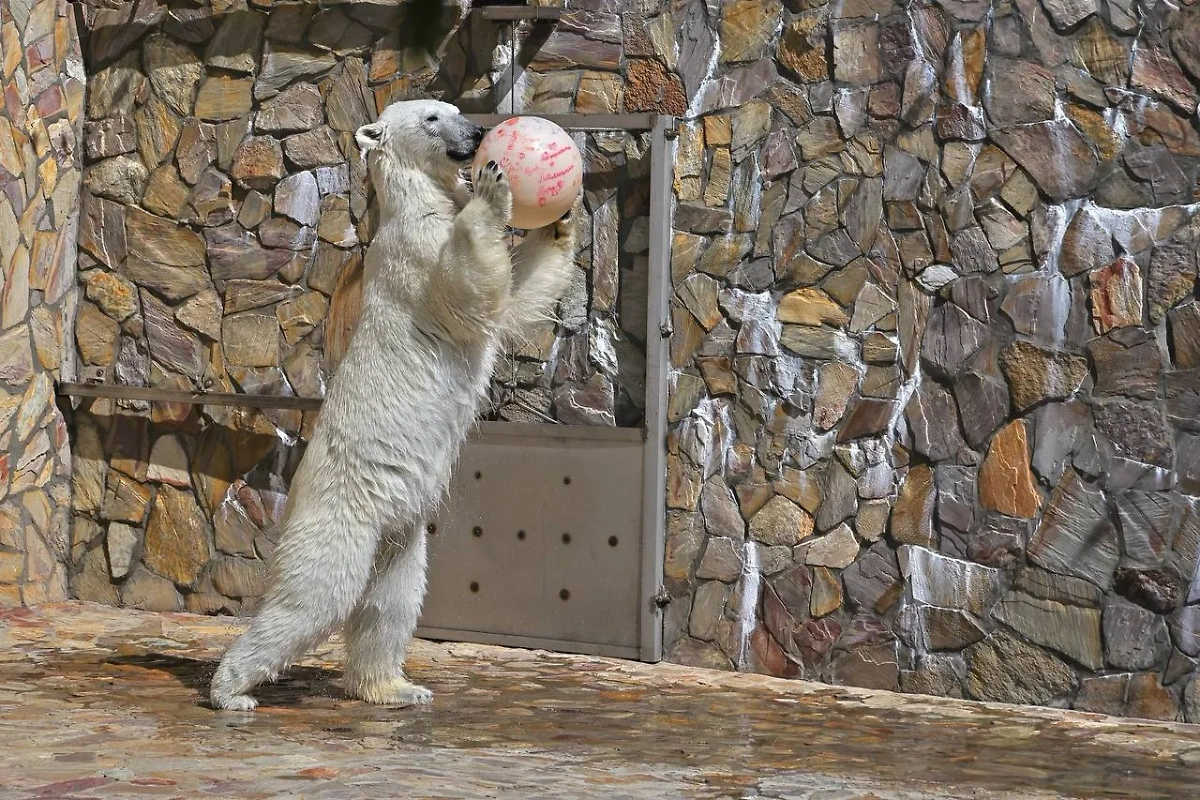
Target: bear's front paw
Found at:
x=491, y=186
x=564, y=229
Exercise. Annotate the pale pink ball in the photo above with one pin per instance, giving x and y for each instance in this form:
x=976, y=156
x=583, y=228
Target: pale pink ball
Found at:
x=542, y=164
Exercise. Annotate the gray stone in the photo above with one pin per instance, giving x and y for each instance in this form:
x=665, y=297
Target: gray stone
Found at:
x=1075, y=536
x=983, y=403
x=721, y=561
x=120, y=543
x=1059, y=588
x=951, y=337
x=239, y=577
x=707, y=608
x=1055, y=154
x=1071, y=630
x=122, y=178
x=298, y=198
x=930, y=628
x=1136, y=430
x=873, y=582
x=148, y=592
x=938, y=580
x=836, y=549
x=1134, y=639
x=720, y=510
x=1146, y=521
x=1127, y=362
x=283, y=64
x=933, y=419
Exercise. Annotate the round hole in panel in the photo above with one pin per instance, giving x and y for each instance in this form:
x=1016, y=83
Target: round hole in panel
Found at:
x=478, y=475
x=567, y=480
x=474, y=586
x=477, y=531
x=612, y=541
x=564, y=594
x=521, y=535
x=566, y=537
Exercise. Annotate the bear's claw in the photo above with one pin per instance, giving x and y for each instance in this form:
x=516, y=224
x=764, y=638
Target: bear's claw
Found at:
x=491, y=186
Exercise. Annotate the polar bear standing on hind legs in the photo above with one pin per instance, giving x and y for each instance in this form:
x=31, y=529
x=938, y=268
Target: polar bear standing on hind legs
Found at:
x=442, y=293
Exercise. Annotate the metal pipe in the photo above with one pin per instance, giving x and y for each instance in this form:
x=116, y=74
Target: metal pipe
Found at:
x=658, y=317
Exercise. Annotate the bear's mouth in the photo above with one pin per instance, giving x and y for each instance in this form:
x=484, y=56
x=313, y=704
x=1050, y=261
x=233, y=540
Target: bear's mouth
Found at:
x=461, y=154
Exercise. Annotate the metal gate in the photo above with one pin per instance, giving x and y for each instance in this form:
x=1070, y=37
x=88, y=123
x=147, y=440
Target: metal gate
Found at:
x=552, y=535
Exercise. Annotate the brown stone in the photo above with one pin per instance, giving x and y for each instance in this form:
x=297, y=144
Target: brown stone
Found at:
x=176, y=545
x=810, y=307
x=238, y=577
x=169, y=344
x=161, y=241
x=250, y=339
x=173, y=70
x=912, y=516
x=157, y=131
x=1117, y=295
x=649, y=87
x=1006, y=482
x=836, y=383
x=1171, y=277
x=166, y=194
x=781, y=522
x=258, y=163
x=1036, y=374
x=148, y=592
x=125, y=499
x=1004, y=669
x=223, y=98
x=1184, y=325
x=315, y=148
x=300, y=315
x=96, y=336
x=802, y=51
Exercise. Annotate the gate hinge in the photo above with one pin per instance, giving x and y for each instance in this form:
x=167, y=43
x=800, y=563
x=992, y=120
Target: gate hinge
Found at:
x=666, y=329
x=661, y=598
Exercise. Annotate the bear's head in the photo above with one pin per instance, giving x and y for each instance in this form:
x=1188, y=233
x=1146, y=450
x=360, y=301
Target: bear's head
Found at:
x=423, y=134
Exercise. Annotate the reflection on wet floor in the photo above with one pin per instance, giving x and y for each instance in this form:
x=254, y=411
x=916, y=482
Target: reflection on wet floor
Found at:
x=98, y=702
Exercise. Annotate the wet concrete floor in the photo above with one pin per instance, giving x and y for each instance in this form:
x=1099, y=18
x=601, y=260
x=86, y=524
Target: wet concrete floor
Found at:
x=99, y=702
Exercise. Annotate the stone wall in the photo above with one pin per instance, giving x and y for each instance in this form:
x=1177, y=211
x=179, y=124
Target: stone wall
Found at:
x=936, y=356
x=39, y=179
x=225, y=211
x=936, y=348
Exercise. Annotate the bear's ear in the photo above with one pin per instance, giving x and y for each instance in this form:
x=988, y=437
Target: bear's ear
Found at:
x=369, y=137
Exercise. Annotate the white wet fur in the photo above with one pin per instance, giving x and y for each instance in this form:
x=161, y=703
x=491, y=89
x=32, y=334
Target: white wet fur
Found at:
x=442, y=293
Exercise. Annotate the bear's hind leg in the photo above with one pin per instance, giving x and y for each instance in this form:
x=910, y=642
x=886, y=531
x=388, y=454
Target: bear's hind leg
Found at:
x=317, y=580
x=381, y=627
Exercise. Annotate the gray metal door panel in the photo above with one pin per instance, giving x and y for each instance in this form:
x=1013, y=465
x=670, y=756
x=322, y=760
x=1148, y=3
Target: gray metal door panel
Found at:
x=522, y=547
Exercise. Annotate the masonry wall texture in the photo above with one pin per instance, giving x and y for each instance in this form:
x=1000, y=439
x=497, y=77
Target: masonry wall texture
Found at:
x=225, y=208
x=936, y=341
x=43, y=84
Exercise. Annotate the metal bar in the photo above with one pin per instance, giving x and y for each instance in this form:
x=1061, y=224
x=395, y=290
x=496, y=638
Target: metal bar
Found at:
x=533, y=643
x=521, y=13
x=654, y=473
x=486, y=428
x=268, y=401
x=578, y=122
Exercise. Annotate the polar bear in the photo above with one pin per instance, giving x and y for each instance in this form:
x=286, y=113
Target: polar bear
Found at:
x=442, y=293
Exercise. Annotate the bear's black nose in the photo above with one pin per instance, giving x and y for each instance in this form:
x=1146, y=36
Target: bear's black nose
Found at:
x=477, y=134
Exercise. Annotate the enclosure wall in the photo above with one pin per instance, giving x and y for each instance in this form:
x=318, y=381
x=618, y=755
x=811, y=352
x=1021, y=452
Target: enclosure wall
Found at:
x=39, y=202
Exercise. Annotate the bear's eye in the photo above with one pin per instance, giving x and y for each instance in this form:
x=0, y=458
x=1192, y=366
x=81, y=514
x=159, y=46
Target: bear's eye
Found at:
x=431, y=118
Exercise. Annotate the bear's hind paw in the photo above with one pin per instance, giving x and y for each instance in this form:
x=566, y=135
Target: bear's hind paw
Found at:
x=237, y=702
x=396, y=692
